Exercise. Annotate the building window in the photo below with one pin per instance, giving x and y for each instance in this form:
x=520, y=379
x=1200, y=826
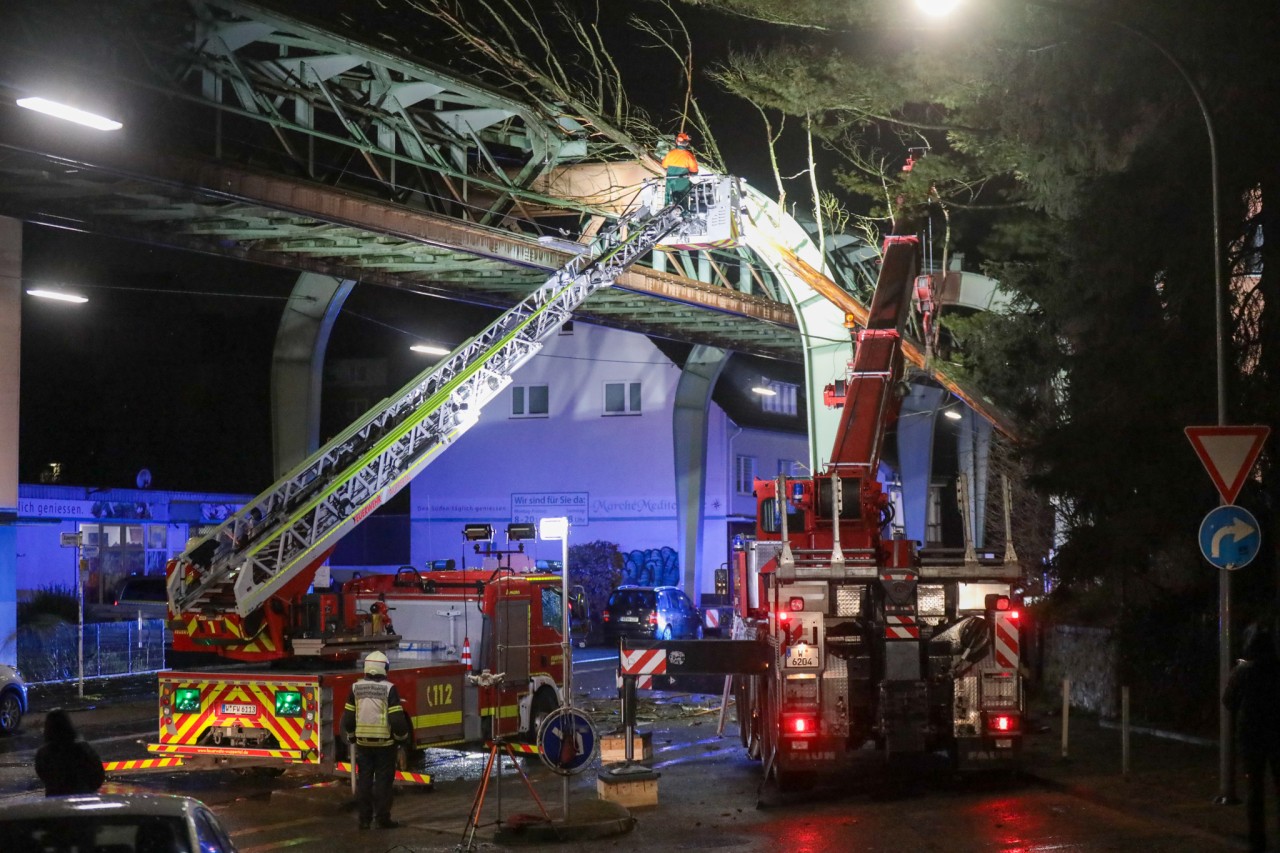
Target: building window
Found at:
x=567, y=328
x=745, y=474
x=787, y=467
x=529, y=401
x=622, y=398
x=783, y=399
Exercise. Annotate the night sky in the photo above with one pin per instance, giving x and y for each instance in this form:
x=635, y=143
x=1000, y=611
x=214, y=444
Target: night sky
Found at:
x=167, y=367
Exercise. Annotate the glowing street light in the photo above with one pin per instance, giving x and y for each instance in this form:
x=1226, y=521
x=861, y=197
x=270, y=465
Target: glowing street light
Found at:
x=69, y=113
x=429, y=349
x=57, y=295
x=763, y=391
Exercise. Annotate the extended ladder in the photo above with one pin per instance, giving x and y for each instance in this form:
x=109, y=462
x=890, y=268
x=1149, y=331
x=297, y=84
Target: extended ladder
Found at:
x=291, y=526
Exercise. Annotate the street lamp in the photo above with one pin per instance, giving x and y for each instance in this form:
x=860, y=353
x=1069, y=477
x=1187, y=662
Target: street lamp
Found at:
x=938, y=8
x=66, y=112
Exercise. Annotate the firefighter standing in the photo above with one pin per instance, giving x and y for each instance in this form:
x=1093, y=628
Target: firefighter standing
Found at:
x=374, y=720
x=679, y=165
x=1253, y=697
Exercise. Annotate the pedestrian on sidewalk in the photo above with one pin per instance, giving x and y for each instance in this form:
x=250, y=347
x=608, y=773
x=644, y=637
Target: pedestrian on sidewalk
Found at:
x=1253, y=697
x=66, y=764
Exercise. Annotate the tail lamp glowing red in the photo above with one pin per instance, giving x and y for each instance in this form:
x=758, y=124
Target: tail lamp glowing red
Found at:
x=653, y=617
x=604, y=616
x=800, y=724
x=1003, y=722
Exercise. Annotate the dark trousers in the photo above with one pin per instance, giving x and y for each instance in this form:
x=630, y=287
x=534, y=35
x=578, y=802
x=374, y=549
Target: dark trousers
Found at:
x=375, y=771
x=1256, y=763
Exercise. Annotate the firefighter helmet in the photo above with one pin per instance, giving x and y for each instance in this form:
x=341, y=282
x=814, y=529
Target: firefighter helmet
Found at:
x=682, y=138
x=375, y=664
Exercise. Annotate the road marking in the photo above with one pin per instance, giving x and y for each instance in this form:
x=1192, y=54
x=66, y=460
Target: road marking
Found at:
x=278, y=845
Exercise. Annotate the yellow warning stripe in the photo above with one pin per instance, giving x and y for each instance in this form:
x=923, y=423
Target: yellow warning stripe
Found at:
x=525, y=748
x=443, y=718
x=401, y=775
x=232, y=751
x=504, y=712
x=290, y=732
x=140, y=764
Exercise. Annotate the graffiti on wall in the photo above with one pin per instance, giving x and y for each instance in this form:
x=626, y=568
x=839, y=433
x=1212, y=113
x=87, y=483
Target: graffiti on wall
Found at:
x=652, y=567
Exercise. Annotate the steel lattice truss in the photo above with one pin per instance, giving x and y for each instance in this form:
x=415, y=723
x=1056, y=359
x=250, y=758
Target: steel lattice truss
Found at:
x=292, y=525
x=427, y=135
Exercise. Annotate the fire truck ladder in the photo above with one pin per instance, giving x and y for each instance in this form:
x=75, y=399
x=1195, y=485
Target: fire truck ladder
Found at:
x=291, y=526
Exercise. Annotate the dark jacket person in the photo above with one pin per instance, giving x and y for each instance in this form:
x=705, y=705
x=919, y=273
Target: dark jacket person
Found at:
x=1253, y=697
x=66, y=764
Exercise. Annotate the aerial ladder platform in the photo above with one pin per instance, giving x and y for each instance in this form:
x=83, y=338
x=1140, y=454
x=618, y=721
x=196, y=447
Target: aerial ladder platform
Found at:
x=274, y=544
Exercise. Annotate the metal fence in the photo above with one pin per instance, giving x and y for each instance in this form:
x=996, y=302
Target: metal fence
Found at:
x=50, y=653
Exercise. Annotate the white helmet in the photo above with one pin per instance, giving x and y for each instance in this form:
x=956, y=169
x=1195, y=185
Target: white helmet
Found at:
x=375, y=664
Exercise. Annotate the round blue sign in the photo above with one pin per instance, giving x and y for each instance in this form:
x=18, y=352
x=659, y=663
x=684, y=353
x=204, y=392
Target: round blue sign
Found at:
x=1230, y=537
x=567, y=741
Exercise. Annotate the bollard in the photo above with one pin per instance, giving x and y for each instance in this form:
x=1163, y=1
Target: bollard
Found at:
x=1066, y=715
x=1124, y=732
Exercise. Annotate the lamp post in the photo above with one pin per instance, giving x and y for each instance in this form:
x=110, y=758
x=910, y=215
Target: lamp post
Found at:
x=937, y=8
x=553, y=529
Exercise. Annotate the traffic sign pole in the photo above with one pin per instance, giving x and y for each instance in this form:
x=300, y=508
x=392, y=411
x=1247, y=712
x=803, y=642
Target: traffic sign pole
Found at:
x=1228, y=454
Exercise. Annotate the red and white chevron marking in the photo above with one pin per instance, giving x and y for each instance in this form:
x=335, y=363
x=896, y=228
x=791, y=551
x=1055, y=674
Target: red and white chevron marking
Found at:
x=643, y=682
x=644, y=661
x=1007, y=642
x=897, y=576
x=901, y=628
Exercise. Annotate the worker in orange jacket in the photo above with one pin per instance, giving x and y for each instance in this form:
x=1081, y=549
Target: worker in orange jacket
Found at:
x=679, y=165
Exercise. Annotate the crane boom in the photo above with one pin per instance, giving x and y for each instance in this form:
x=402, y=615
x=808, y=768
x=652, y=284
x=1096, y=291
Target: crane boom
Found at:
x=274, y=544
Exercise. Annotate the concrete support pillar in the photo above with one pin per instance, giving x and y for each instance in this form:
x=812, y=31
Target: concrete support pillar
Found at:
x=297, y=366
x=916, y=423
x=10, y=362
x=974, y=452
x=689, y=433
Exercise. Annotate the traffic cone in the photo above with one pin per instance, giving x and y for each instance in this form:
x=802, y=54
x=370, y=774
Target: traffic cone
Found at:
x=466, y=652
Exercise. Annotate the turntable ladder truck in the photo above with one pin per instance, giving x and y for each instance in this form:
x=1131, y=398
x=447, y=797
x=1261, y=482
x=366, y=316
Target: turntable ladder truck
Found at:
x=242, y=591
x=874, y=642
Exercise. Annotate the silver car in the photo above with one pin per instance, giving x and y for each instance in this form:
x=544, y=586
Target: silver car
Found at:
x=127, y=823
x=13, y=699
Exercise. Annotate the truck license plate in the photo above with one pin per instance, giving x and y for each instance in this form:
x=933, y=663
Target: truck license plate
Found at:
x=802, y=657
x=629, y=619
x=239, y=709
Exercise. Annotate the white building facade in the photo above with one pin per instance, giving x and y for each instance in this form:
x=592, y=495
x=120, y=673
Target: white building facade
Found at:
x=585, y=431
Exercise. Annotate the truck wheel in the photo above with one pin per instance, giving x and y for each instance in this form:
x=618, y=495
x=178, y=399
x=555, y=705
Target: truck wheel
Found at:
x=666, y=633
x=544, y=703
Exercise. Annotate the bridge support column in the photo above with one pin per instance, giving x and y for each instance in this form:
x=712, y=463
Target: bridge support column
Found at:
x=689, y=434
x=974, y=449
x=297, y=366
x=10, y=361
x=916, y=424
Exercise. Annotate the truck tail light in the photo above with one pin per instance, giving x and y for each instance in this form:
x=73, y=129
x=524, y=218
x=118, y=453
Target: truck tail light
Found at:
x=604, y=616
x=1003, y=722
x=799, y=724
x=653, y=617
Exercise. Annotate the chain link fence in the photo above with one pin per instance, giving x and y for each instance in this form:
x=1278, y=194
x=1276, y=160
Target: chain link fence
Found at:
x=50, y=653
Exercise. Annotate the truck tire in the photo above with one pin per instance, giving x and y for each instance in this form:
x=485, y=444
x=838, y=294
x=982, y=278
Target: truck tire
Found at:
x=544, y=703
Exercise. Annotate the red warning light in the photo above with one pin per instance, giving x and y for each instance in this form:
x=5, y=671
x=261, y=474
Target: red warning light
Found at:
x=802, y=725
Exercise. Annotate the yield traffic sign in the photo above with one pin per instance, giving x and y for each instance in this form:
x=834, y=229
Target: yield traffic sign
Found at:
x=1228, y=454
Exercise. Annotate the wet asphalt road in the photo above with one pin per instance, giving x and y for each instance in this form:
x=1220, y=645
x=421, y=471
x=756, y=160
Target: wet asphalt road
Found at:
x=709, y=794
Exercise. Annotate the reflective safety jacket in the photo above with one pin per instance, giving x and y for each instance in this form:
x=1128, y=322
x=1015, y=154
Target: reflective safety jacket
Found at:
x=373, y=713
x=679, y=165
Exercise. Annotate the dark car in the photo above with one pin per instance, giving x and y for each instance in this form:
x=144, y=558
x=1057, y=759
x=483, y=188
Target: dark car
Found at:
x=139, y=595
x=650, y=613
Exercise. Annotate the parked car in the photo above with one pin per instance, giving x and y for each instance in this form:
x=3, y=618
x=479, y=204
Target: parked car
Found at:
x=136, y=594
x=13, y=699
x=650, y=613
x=132, y=823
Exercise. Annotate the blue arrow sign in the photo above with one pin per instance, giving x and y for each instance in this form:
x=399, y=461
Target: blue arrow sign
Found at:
x=1230, y=537
x=567, y=740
